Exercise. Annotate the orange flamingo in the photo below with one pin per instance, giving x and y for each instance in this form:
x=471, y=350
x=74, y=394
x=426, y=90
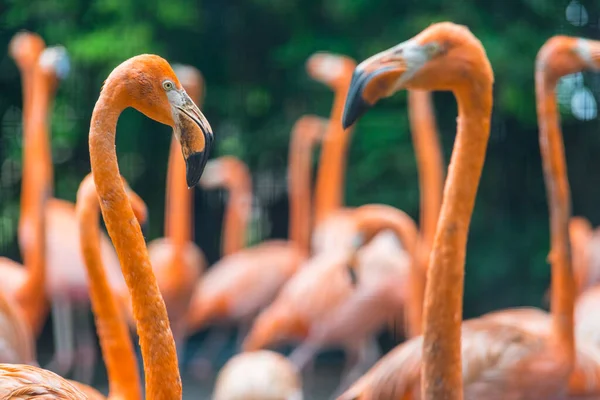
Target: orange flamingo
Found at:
x=386, y=271
x=113, y=333
x=338, y=232
x=540, y=361
x=27, y=285
x=67, y=282
x=151, y=87
x=148, y=84
x=176, y=260
x=244, y=281
x=334, y=71
x=260, y=375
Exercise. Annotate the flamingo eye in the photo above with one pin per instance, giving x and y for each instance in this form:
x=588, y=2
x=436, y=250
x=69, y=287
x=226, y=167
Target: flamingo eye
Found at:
x=168, y=85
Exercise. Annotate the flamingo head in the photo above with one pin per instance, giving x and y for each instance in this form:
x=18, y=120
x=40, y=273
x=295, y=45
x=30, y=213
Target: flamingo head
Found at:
x=331, y=69
x=148, y=83
x=563, y=55
x=444, y=56
x=25, y=48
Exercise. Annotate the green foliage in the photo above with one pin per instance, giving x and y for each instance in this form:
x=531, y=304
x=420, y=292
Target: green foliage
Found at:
x=253, y=54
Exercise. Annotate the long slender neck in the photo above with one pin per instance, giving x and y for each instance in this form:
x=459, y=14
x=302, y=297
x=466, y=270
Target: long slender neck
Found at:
x=35, y=189
x=113, y=332
x=329, y=190
x=559, y=203
x=442, y=370
x=304, y=137
x=430, y=168
x=237, y=212
x=178, y=210
x=156, y=339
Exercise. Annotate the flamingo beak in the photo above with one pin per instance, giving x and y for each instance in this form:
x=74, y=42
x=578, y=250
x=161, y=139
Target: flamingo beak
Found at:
x=195, y=136
x=365, y=91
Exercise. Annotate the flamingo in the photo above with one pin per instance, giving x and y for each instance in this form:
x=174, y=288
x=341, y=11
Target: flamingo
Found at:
x=148, y=84
x=27, y=284
x=66, y=283
x=335, y=71
x=260, y=375
x=245, y=281
x=338, y=232
x=330, y=227
x=540, y=361
x=386, y=270
x=176, y=260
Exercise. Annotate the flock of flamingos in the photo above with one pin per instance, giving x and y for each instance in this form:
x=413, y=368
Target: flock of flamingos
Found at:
x=335, y=286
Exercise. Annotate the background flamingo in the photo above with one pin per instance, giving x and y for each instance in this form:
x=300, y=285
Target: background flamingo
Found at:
x=244, y=281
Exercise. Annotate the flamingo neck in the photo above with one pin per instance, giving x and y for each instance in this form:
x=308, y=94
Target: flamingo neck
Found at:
x=442, y=369
x=329, y=191
x=31, y=295
x=178, y=210
x=113, y=332
x=430, y=168
x=237, y=213
x=156, y=339
x=559, y=204
x=304, y=138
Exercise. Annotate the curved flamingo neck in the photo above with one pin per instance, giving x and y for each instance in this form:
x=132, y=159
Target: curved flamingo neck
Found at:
x=237, y=211
x=559, y=204
x=113, y=332
x=428, y=153
x=329, y=191
x=442, y=368
x=156, y=339
x=305, y=134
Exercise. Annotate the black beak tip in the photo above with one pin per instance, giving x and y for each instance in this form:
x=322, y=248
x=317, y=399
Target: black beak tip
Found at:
x=355, y=106
x=194, y=167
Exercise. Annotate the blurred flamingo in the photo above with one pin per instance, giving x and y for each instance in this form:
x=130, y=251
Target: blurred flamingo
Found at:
x=66, y=281
x=340, y=229
x=260, y=375
x=154, y=90
x=335, y=71
x=386, y=269
x=245, y=281
x=26, y=284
